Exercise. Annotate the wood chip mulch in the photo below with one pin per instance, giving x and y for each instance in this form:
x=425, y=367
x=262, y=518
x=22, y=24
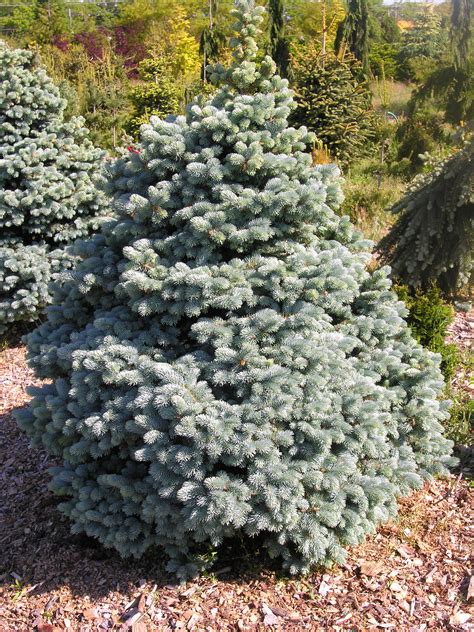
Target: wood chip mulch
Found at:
x=413, y=575
x=461, y=330
x=461, y=333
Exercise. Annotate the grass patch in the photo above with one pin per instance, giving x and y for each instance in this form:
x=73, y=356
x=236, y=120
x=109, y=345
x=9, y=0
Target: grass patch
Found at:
x=368, y=195
x=391, y=96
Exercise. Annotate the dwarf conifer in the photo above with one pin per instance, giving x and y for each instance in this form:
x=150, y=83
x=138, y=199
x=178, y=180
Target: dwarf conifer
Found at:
x=222, y=361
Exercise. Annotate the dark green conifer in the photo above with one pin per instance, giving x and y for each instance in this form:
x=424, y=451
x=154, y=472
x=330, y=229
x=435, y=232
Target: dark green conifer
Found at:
x=279, y=44
x=433, y=239
x=353, y=33
x=333, y=102
x=212, y=39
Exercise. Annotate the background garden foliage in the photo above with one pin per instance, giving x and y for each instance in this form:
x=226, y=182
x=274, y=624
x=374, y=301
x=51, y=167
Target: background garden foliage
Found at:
x=47, y=198
x=222, y=361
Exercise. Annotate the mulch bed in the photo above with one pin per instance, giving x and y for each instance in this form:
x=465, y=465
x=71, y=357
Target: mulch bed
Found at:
x=413, y=575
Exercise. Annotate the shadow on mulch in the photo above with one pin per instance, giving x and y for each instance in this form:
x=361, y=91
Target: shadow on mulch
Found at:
x=15, y=334
x=36, y=544
x=465, y=467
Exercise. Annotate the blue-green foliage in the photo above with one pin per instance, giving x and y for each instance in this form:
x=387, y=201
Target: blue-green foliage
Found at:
x=223, y=362
x=47, y=198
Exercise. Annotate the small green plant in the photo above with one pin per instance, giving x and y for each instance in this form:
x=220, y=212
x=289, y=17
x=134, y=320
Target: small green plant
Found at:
x=459, y=427
x=429, y=319
x=19, y=589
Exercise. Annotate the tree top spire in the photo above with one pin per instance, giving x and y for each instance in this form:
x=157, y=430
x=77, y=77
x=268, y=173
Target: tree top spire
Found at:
x=245, y=74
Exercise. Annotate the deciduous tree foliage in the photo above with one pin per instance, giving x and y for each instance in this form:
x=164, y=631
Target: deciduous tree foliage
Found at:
x=433, y=239
x=47, y=198
x=222, y=361
x=170, y=69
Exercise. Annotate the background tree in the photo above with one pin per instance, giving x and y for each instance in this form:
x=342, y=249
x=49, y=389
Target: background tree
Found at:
x=156, y=94
x=172, y=66
x=95, y=87
x=333, y=102
x=422, y=45
x=279, y=43
x=51, y=19
x=353, y=33
x=384, y=41
x=306, y=20
x=222, y=363
x=450, y=86
x=433, y=238
x=18, y=20
x=47, y=198
x=212, y=39
x=461, y=33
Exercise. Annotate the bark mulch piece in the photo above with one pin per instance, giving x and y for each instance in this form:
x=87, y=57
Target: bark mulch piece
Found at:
x=412, y=575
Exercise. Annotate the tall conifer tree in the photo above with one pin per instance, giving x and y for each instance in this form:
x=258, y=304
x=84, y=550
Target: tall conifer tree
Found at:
x=451, y=83
x=279, y=44
x=353, y=33
x=461, y=33
x=212, y=39
x=222, y=362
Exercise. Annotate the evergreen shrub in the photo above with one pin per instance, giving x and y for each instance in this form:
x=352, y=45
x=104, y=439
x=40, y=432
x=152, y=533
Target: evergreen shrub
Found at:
x=333, y=102
x=222, y=361
x=47, y=197
x=429, y=318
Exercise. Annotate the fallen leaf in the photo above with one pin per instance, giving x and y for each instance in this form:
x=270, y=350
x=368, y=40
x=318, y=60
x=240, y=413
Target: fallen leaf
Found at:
x=50, y=603
x=269, y=617
x=134, y=603
x=284, y=613
x=323, y=589
x=371, y=569
x=90, y=613
x=141, y=603
x=44, y=627
x=192, y=621
x=403, y=552
x=279, y=611
x=459, y=618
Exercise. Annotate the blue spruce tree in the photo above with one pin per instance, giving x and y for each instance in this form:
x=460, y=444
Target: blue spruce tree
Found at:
x=222, y=361
x=47, y=198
